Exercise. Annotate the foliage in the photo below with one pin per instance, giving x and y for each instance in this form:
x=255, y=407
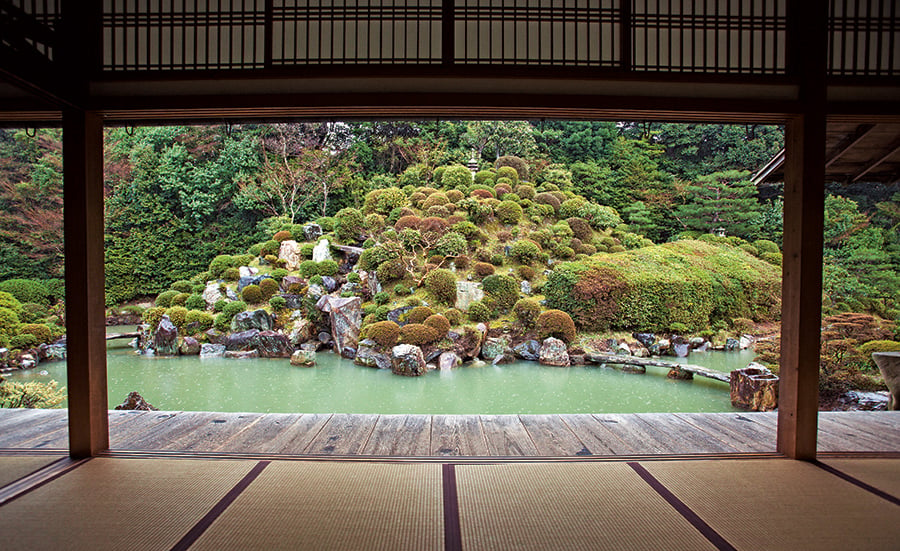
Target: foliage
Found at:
x=450, y=244
x=268, y=287
x=33, y=394
x=456, y=177
x=417, y=333
x=278, y=302
x=419, y=314
x=327, y=267
x=454, y=316
x=164, y=299
x=26, y=290
x=508, y=212
x=503, y=289
x=177, y=315
x=527, y=311
x=233, y=308
x=385, y=333
x=721, y=200
x=39, y=330
x=525, y=251
x=479, y=311
x=10, y=302
x=555, y=323
x=197, y=320
x=349, y=225
x=251, y=294
x=439, y=323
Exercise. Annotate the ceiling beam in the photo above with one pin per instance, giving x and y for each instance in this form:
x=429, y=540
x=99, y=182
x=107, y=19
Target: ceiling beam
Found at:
x=893, y=148
x=847, y=144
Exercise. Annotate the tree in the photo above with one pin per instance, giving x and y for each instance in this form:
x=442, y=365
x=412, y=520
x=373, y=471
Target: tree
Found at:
x=500, y=138
x=721, y=200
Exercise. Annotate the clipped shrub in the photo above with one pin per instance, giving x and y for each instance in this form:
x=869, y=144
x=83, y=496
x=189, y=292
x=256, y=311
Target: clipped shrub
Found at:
x=433, y=224
x=772, y=258
x=231, y=274
x=182, y=286
x=180, y=299
x=11, y=302
x=402, y=290
x=309, y=268
x=455, y=196
x=462, y=262
x=417, y=333
x=26, y=290
x=219, y=305
x=384, y=200
x=546, y=198
x=282, y=235
x=31, y=312
x=483, y=269
x=383, y=297
x=555, y=323
x=278, y=274
x=419, y=314
x=502, y=188
x=516, y=163
x=197, y=320
x=437, y=211
x=503, y=289
x=454, y=316
x=391, y=270
x=526, y=272
x=195, y=302
x=527, y=311
x=9, y=322
x=278, y=302
x=456, y=176
x=450, y=244
x=23, y=341
x=270, y=247
x=438, y=198
x=509, y=173
x=234, y=308
x=525, y=251
x=177, y=315
x=580, y=228
x=497, y=259
x=508, y=212
x=255, y=249
x=483, y=177
x=251, y=294
x=372, y=257
x=479, y=311
x=439, y=323
x=164, y=299
x=41, y=332
x=327, y=268
x=482, y=194
x=222, y=322
x=268, y=287
x=525, y=191
x=349, y=224
x=385, y=333
x=766, y=246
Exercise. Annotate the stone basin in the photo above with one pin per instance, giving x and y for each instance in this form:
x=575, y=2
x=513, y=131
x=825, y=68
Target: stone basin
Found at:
x=889, y=365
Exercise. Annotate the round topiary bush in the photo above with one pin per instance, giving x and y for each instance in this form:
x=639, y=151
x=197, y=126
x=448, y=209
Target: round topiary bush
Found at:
x=39, y=330
x=27, y=290
x=438, y=198
x=219, y=264
x=391, y=270
x=580, y=228
x=182, y=286
x=270, y=247
x=478, y=311
x=195, y=302
x=508, y=212
x=439, y=323
x=548, y=199
x=219, y=305
x=455, y=196
x=483, y=269
x=251, y=294
x=327, y=268
x=555, y=323
x=234, y=308
x=282, y=235
x=278, y=274
x=442, y=284
x=196, y=320
x=177, y=315
x=278, y=302
x=450, y=244
x=385, y=333
x=268, y=287
x=164, y=299
x=503, y=289
x=482, y=194
x=527, y=311
x=384, y=200
x=309, y=268
x=526, y=272
x=454, y=316
x=525, y=251
x=9, y=301
x=456, y=176
x=417, y=333
x=349, y=224
x=419, y=314
x=517, y=163
x=525, y=191
x=483, y=177
x=222, y=322
x=180, y=299
x=231, y=274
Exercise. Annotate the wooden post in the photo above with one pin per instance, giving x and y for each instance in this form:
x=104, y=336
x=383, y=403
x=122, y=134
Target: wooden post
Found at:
x=85, y=300
x=804, y=203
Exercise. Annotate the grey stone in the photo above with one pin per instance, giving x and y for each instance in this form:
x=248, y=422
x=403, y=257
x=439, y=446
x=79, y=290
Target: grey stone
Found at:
x=371, y=280
x=251, y=280
x=889, y=365
x=368, y=355
x=212, y=294
x=324, y=337
x=407, y=360
x=27, y=361
x=241, y=354
x=51, y=352
x=165, y=339
x=136, y=402
x=493, y=347
x=528, y=350
x=289, y=280
x=346, y=318
x=507, y=357
x=448, y=360
x=696, y=342
x=209, y=350
x=247, y=271
x=525, y=287
x=303, y=358
x=322, y=251
x=553, y=352
x=467, y=292
x=242, y=340
x=231, y=295
x=622, y=349
x=311, y=232
x=293, y=302
x=256, y=319
x=732, y=344
x=301, y=331
x=647, y=339
x=681, y=350
x=315, y=291
x=189, y=347
x=330, y=283
x=270, y=344
x=289, y=251
x=397, y=315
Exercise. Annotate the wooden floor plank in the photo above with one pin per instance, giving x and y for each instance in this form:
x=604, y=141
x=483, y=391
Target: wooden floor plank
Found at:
x=552, y=437
x=343, y=434
x=267, y=435
x=741, y=431
x=169, y=430
x=456, y=435
x=847, y=438
x=128, y=430
x=296, y=438
x=687, y=437
x=875, y=427
x=595, y=435
x=215, y=434
x=506, y=436
x=29, y=424
x=407, y=435
x=644, y=438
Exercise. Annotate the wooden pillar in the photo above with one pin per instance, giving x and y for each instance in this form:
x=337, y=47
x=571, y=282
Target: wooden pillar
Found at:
x=85, y=299
x=804, y=190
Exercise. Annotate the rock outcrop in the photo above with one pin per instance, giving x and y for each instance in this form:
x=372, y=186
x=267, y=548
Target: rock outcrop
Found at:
x=165, y=339
x=290, y=253
x=346, y=317
x=553, y=352
x=408, y=360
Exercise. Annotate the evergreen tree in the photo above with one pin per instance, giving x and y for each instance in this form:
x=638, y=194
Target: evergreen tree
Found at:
x=721, y=200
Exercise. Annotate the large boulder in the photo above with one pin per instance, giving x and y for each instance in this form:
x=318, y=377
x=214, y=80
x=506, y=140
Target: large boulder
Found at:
x=322, y=251
x=242, y=340
x=369, y=354
x=448, y=360
x=528, y=350
x=256, y=319
x=408, y=360
x=304, y=358
x=290, y=253
x=647, y=339
x=346, y=317
x=189, y=347
x=294, y=302
x=247, y=271
x=165, y=339
x=251, y=280
x=136, y=402
x=241, y=354
x=209, y=350
x=311, y=232
x=212, y=294
x=467, y=292
x=270, y=344
x=290, y=280
x=553, y=352
x=300, y=330
x=468, y=345
x=493, y=347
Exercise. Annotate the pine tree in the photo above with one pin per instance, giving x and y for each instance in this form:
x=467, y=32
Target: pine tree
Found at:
x=721, y=200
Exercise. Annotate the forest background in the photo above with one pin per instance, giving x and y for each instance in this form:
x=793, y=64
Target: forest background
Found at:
x=178, y=196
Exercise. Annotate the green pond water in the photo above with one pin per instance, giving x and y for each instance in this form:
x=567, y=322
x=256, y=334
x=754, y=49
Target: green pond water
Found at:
x=337, y=385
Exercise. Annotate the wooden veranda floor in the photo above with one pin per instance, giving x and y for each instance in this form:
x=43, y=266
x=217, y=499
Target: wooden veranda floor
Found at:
x=452, y=435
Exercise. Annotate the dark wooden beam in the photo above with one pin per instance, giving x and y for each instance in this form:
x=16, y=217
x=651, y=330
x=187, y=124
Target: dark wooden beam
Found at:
x=804, y=201
x=862, y=131
x=875, y=163
x=85, y=299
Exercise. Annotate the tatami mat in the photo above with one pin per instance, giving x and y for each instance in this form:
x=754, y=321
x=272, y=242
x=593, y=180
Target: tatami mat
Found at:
x=14, y=467
x=567, y=506
x=883, y=474
x=346, y=506
x=781, y=505
x=116, y=504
